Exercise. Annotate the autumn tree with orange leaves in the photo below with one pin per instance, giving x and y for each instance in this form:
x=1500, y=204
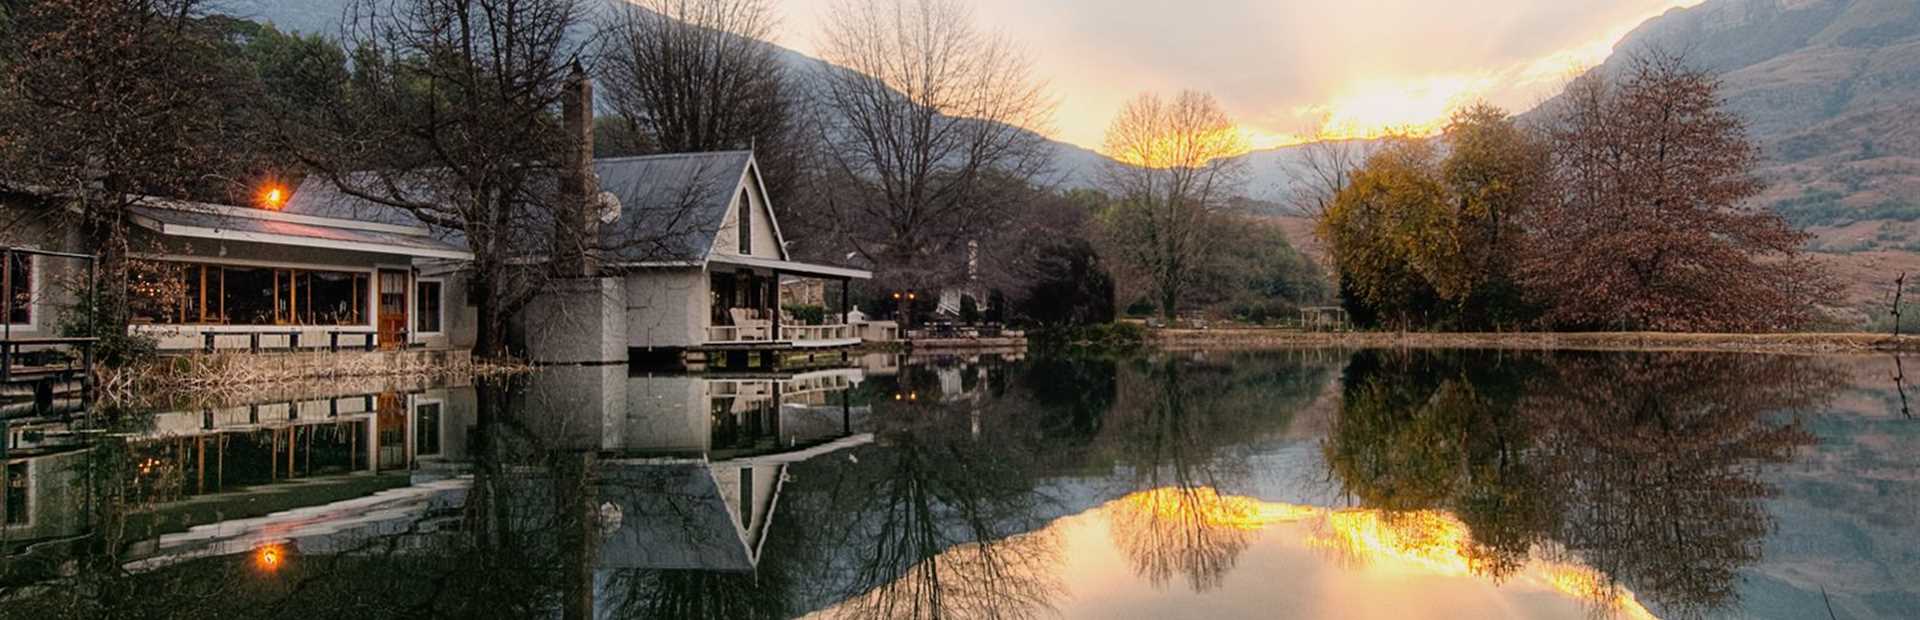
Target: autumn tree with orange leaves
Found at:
x=1652, y=225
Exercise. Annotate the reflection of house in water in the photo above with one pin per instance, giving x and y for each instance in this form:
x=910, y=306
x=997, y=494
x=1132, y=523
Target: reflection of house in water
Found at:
x=224, y=453
x=686, y=471
x=713, y=417
x=44, y=484
x=185, y=453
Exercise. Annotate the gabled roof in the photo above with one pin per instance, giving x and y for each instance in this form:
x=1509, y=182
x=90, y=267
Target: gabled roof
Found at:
x=671, y=206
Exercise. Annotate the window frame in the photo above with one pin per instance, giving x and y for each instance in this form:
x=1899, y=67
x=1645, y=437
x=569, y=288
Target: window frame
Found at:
x=25, y=518
x=33, y=293
x=439, y=407
x=211, y=296
x=746, y=222
x=439, y=307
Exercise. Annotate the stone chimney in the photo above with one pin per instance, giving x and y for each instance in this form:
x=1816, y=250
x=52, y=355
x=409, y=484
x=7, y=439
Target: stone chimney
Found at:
x=577, y=220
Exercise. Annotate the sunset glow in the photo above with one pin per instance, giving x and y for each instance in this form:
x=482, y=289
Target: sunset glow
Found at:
x=1295, y=71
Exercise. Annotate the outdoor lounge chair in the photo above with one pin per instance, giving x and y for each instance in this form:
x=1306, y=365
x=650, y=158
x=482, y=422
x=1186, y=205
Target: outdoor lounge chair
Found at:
x=749, y=328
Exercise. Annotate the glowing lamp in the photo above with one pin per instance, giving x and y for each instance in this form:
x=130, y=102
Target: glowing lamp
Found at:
x=273, y=197
x=269, y=558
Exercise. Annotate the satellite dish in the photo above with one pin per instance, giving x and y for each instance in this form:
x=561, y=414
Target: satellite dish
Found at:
x=609, y=206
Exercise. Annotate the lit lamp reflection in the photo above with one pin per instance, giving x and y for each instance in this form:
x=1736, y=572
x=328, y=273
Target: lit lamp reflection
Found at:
x=269, y=558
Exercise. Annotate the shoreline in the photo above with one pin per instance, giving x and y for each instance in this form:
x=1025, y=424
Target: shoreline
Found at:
x=1799, y=342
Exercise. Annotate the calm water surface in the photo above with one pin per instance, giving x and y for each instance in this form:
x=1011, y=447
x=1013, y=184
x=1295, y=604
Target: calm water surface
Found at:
x=1311, y=484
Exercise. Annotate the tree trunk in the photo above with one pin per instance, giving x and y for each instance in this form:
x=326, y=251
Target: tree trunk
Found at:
x=106, y=234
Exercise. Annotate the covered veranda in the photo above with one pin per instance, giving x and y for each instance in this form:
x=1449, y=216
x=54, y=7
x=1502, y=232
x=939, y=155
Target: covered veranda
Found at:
x=748, y=310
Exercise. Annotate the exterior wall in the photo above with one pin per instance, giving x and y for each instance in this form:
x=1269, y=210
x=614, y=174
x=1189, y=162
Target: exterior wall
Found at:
x=667, y=308
x=580, y=321
x=765, y=243
x=54, y=278
x=459, y=320
x=581, y=406
x=668, y=413
x=56, y=497
x=459, y=414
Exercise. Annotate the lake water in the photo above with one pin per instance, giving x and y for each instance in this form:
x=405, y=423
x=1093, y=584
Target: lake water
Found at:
x=1274, y=484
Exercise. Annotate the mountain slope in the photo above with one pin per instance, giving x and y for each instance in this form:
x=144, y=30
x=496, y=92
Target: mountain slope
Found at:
x=1831, y=90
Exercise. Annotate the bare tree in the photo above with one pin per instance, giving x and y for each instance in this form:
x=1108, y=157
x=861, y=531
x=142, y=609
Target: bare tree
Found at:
x=1653, y=225
x=452, y=120
x=924, y=122
x=1326, y=166
x=1175, y=166
x=105, y=104
x=700, y=75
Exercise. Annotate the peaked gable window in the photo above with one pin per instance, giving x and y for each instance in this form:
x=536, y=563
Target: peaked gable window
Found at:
x=746, y=224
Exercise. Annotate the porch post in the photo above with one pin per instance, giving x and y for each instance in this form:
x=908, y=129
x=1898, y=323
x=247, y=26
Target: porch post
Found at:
x=6, y=290
x=775, y=301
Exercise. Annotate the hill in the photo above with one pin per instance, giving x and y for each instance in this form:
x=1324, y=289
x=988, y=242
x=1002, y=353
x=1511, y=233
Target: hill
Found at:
x=1830, y=89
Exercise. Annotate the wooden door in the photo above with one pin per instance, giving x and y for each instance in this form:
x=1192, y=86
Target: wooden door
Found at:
x=393, y=308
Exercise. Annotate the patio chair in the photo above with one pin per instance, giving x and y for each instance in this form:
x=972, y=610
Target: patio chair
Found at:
x=750, y=328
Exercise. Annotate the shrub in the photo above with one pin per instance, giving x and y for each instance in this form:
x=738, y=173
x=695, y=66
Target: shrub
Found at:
x=806, y=314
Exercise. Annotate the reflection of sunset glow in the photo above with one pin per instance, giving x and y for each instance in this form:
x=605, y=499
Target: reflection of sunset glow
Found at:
x=1427, y=542
x=1211, y=509
x=1392, y=543
x=1132, y=548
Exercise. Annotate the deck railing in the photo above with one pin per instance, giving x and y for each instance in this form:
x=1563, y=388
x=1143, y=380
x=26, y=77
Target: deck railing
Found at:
x=785, y=333
x=814, y=333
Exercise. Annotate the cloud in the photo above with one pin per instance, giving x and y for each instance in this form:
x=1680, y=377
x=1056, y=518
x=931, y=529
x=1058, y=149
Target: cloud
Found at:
x=1284, y=67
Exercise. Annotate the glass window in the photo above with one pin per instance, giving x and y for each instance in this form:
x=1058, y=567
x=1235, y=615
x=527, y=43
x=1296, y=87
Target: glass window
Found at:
x=426, y=429
x=336, y=298
x=17, y=490
x=249, y=295
x=746, y=225
x=19, y=277
x=169, y=293
x=427, y=304
x=157, y=292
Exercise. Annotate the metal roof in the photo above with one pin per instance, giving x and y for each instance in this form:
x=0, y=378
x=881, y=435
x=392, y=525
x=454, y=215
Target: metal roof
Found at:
x=671, y=206
x=242, y=224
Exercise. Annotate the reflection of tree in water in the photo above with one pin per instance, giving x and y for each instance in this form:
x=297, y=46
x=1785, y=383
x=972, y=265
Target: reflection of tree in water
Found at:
x=698, y=595
x=1642, y=465
x=1190, y=531
x=939, y=519
x=1186, y=426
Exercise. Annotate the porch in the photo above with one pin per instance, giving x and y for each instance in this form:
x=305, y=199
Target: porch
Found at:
x=759, y=304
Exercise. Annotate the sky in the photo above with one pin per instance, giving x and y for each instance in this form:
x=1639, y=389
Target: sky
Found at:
x=1289, y=70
